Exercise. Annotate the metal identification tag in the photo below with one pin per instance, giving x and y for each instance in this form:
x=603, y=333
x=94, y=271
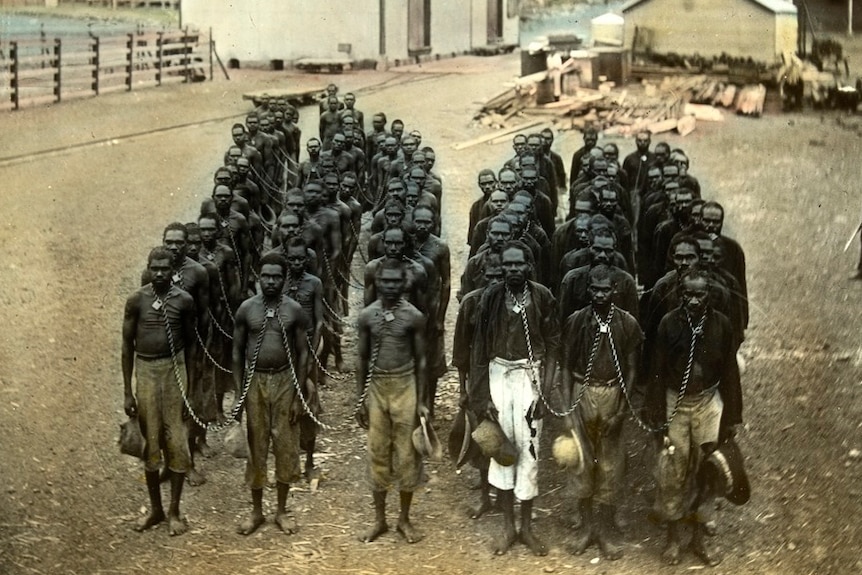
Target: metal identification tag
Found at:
x=157, y=305
x=604, y=328
x=388, y=316
x=176, y=278
x=211, y=256
x=270, y=313
x=224, y=224
x=517, y=308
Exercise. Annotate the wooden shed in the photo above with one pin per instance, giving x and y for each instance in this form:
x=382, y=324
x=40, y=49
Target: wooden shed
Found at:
x=289, y=30
x=760, y=29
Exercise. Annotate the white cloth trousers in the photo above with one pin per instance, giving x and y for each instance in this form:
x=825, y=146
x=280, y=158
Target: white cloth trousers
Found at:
x=513, y=392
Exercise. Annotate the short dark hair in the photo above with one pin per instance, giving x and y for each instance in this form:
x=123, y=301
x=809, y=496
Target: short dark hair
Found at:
x=273, y=258
x=159, y=253
x=695, y=271
x=684, y=239
x=601, y=272
x=295, y=242
x=175, y=226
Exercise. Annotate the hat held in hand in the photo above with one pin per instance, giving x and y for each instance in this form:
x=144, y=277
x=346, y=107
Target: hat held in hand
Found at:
x=494, y=443
x=568, y=451
x=425, y=441
x=726, y=465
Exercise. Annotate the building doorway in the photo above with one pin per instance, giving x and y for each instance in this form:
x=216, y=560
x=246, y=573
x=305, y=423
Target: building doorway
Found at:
x=495, y=21
x=419, y=26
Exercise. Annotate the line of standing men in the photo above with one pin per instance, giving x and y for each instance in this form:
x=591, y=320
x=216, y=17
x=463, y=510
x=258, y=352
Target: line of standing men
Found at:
x=252, y=298
x=639, y=299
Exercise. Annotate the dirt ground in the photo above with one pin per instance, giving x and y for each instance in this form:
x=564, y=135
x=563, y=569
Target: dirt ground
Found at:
x=80, y=222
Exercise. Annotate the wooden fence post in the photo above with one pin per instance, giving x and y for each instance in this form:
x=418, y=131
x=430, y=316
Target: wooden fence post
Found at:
x=161, y=60
x=211, y=53
x=187, y=56
x=96, y=62
x=57, y=64
x=130, y=57
x=13, y=54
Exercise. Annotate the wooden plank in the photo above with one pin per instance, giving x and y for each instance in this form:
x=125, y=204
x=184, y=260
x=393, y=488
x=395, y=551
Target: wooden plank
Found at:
x=662, y=126
x=686, y=125
x=704, y=112
x=488, y=137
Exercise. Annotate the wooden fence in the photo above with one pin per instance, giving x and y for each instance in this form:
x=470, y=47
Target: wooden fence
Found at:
x=36, y=71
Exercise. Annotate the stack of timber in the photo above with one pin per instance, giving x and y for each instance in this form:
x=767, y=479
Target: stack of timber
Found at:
x=677, y=103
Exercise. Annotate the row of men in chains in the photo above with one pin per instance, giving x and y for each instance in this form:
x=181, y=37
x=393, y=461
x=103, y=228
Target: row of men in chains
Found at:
x=243, y=301
x=663, y=355
x=326, y=215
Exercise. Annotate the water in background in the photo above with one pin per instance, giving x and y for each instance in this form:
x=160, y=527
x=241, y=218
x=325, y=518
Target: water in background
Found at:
x=573, y=19
x=17, y=25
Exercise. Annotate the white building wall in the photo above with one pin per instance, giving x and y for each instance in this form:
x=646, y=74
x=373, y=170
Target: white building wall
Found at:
x=263, y=30
x=450, y=26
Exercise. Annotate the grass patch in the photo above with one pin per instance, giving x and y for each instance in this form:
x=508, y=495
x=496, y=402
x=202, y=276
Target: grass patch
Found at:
x=149, y=17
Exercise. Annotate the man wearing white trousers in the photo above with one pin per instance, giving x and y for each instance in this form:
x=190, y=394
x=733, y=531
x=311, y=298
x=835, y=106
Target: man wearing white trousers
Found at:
x=515, y=343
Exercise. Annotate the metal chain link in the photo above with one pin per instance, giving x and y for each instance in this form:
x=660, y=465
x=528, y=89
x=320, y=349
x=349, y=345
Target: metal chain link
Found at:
x=223, y=292
x=337, y=316
x=532, y=362
x=236, y=409
x=222, y=222
x=218, y=326
x=296, y=385
x=695, y=332
x=358, y=244
x=372, y=364
x=207, y=353
x=320, y=364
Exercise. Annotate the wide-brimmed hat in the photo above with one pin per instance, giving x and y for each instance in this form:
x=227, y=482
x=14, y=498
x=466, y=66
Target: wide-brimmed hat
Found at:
x=568, y=451
x=425, y=441
x=461, y=446
x=726, y=465
x=491, y=440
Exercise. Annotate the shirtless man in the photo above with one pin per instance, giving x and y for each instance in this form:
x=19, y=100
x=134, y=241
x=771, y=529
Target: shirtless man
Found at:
x=270, y=356
x=416, y=279
x=306, y=290
x=329, y=222
x=391, y=387
x=437, y=251
x=229, y=297
x=308, y=169
x=236, y=233
x=158, y=340
x=330, y=122
x=192, y=277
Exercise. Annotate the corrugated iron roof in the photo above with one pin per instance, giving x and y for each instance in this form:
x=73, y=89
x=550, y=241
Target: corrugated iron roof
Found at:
x=776, y=6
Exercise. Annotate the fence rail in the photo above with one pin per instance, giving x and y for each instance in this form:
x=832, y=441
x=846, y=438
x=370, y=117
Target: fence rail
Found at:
x=36, y=70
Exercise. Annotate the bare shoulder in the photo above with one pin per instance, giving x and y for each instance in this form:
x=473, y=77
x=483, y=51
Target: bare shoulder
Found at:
x=133, y=302
x=244, y=309
x=184, y=298
x=368, y=312
x=416, y=317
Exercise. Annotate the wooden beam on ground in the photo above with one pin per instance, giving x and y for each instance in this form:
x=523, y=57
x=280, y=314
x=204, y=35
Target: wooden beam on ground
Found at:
x=494, y=135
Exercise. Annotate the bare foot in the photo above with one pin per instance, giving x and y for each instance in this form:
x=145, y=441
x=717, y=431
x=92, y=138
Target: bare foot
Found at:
x=704, y=552
x=505, y=541
x=205, y=449
x=408, y=532
x=484, y=507
x=176, y=525
x=195, y=477
x=536, y=546
x=375, y=532
x=251, y=524
x=154, y=518
x=286, y=522
x=671, y=552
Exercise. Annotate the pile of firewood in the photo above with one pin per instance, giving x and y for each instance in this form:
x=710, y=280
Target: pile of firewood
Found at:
x=678, y=102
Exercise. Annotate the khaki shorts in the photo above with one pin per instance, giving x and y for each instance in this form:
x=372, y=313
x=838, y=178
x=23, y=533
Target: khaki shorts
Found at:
x=267, y=408
x=160, y=412
x=391, y=421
